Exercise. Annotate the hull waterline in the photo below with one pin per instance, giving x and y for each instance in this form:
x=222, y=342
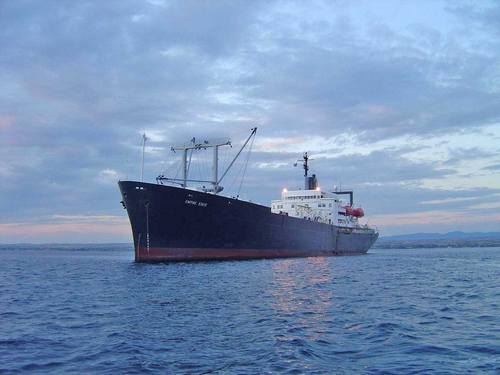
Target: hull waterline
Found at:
x=175, y=224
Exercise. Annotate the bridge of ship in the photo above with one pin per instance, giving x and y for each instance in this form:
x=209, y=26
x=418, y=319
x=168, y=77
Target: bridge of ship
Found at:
x=315, y=205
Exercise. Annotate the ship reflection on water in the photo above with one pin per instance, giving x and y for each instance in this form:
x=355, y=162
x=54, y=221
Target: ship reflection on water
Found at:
x=302, y=296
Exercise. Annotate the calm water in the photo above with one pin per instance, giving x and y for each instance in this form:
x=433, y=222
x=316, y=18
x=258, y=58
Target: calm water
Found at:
x=93, y=310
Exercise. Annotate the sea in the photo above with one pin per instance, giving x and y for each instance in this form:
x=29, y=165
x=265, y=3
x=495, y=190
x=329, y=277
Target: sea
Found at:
x=88, y=309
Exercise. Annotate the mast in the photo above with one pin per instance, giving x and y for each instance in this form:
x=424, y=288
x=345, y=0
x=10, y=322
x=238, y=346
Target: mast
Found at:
x=184, y=167
x=144, y=139
x=310, y=183
x=306, y=167
x=215, y=181
x=215, y=167
x=199, y=146
x=305, y=158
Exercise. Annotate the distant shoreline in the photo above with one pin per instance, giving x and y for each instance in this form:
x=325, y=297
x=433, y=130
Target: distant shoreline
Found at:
x=412, y=240
x=417, y=244
x=61, y=245
x=379, y=244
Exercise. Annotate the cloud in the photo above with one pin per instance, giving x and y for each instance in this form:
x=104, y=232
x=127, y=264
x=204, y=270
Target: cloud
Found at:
x=82, y=219
x=495, y=167
x=6, y=122
x=448, y=200
x=486, y=206
x=435, y=217
x=373, y=92
x=80, y=232
x=484, y=15
x=108, y=176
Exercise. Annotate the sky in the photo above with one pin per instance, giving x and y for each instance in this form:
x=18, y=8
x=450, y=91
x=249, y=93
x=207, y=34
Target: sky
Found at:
x=399, y=101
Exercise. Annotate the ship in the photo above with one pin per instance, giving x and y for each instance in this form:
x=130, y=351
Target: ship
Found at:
x=173, y=221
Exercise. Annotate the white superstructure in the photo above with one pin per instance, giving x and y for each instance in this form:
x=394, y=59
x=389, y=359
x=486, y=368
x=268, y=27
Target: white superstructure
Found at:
x=314, y=204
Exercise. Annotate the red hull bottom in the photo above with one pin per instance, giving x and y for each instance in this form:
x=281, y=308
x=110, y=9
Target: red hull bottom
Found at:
x=142, y=254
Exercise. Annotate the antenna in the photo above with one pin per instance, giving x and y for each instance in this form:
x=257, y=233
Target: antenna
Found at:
x=144, y=139
x=305, y=164
x=306, y=167
x=305, y=160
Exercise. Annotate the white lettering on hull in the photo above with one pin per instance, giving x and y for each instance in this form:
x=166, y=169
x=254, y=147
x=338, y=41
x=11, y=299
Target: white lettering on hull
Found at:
x=195, y=203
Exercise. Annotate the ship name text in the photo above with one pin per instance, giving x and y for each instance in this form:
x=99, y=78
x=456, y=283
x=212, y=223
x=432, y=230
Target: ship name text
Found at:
x=195, y=203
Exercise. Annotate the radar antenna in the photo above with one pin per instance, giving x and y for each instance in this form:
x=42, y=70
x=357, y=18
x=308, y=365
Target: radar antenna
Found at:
x=310, y=182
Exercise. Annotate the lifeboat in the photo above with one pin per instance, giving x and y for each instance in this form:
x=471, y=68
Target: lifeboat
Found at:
x=356, y=212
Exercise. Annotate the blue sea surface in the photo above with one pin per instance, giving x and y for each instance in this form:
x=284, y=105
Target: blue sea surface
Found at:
x=91, y=309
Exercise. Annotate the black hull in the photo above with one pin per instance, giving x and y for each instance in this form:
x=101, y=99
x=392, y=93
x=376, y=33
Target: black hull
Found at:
x=176, y=224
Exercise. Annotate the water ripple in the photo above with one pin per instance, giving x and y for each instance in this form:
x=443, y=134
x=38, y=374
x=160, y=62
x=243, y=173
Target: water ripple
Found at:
x=92, y=310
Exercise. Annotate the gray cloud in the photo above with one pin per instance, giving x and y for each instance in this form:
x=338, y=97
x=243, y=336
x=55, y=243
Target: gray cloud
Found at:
x=81, y=81
x=495, y=167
